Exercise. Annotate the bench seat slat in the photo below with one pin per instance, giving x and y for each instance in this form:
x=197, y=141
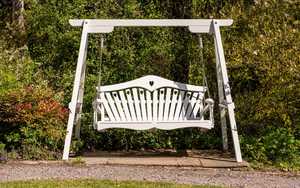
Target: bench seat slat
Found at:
x=164, y=125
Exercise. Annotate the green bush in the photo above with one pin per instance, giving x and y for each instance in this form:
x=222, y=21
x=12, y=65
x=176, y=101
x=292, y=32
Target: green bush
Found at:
x=276, y=146
x=261, y=50
x=32, y=122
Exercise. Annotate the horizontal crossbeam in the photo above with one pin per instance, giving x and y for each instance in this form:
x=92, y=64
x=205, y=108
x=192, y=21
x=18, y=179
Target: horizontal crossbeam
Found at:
x=107, y=25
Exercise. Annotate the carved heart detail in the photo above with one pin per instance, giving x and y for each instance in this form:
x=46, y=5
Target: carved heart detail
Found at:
x=151, y=83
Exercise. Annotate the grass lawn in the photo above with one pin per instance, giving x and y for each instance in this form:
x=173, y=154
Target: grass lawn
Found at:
x=95, y=184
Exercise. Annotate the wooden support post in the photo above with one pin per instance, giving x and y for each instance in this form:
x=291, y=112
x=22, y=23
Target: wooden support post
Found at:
x=76, y=90
x=195, y=26
x=230, y=105
x=79, y=107
x=221, y=101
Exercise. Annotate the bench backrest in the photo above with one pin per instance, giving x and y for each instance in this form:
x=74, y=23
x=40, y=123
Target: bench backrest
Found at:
x=150, y=98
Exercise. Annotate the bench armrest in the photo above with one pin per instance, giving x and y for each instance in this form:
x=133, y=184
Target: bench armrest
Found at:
x=209, y=107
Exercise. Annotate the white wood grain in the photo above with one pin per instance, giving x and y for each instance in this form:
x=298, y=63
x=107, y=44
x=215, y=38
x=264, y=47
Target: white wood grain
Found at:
x=175, y=94
x=167, y=103
x=158, y=82
x=106, y=107
x=137, y=104
x=155, y=105
x=112, y=105
x=130, y=104
x=163, y=125
x=118, y=105
x=161, y=103
x=179, y=105
x=125, y=105
x=143, y=104
x=149, y=105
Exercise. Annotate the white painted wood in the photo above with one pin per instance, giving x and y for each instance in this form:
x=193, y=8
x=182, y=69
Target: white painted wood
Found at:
x=163, y=125
x=193, y=100
x=224, y=76
x=178, y=109
x=125, y=105
x=80, y=102
x=118, y=104
x=112, y=105
x=137, y=104
x=221, y=101
x=149, y=105
x=158, y=82
x=143, y=104
x=194, y=23
x=185, y=105
x=161, y=103
x=130, y=104
x=79, y=69
x=173, y=104
x=167, y=103
x=198, y=107
x=179, y=105
x=106, y=106
x=111, y=115
x=164, y=104
x=155, y=105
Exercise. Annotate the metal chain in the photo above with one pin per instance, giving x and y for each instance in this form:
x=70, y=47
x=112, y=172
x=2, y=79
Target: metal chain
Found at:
x=204, y=79
x=100, y=58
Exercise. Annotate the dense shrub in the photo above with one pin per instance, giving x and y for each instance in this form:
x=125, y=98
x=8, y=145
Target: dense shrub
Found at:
x=32, y=122
x=261, y=49
x=275, y=146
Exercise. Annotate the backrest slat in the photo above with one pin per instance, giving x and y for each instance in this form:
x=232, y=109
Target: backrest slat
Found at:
x=137, y=104
x=161, y=104
x=112, y=103
x=149, y=105
x=179, y=105
x=175, y=94
x=167, y=103
x=185, y=105
x=125, y=105
x=155, y=104
x=119, y=107
x=194, y=97
x=198, y=105
x=106, y=107
x=130, y=104
x=143, y=104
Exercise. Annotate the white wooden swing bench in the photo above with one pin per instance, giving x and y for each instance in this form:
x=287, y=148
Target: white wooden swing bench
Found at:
x=152, y=101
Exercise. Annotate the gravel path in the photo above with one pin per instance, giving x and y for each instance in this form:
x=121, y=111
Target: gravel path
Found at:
x=185, y=175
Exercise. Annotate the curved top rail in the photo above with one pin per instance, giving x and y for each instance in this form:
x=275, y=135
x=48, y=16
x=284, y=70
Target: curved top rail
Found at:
x=151, y=83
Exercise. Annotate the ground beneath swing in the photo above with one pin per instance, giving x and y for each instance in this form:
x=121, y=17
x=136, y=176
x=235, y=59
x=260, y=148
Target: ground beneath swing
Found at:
x=182, y=175
x=192, y=158
x=143, y=169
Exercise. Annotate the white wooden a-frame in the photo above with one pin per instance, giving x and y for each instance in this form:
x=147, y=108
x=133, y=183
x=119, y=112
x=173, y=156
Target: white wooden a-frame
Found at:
x=211, y=26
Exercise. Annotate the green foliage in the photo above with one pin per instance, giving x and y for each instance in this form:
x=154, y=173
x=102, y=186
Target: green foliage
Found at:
x=32, y=122
x=276, y=146
x=261, y=50
x=3, y=154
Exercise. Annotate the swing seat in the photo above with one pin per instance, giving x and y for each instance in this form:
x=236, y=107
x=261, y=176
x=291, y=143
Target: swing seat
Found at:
x=152, y=102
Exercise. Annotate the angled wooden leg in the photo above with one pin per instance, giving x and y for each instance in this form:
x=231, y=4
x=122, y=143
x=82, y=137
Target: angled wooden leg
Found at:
x=226, y=88
x=78, y=77
x=222, y=109
x=79, y=107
